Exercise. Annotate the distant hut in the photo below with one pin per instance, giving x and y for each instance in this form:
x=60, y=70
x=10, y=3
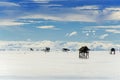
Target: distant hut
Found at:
x=31, y=49
x=84, y=52
x=47, y=49
x=65, y=49
x=112, y=51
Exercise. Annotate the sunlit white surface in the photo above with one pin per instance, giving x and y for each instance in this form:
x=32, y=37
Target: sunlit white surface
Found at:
x=38, y=65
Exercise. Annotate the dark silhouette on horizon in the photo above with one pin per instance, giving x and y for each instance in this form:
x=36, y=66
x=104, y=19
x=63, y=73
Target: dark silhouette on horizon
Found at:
x=65, y=49
x=47, y=49
x=112, y=51
x=31, y=49
x=84, y=52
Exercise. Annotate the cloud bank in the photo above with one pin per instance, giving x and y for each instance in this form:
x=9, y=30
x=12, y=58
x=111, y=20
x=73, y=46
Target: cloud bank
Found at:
x=55, y=45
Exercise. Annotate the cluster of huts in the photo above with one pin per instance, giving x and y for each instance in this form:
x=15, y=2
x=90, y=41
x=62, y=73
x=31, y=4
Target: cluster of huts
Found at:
x=47, y=49
x=83, y=51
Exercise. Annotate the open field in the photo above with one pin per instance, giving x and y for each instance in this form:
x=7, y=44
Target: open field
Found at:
x=29, y=65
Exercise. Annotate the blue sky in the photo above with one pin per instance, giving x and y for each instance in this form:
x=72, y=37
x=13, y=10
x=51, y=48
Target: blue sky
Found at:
x=60, y=20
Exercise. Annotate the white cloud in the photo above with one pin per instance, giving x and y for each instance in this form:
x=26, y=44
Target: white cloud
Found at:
x=102, y=45
x=8, y=4
x=47, y=43
x=112, y=13
x=113, y=31
x=71, y=34
x=115, y=15
x=56, y=45
x=51, y=5
x=87, y=34
x=63, y=17
x=70, y=14
x=48, y=27
x=41, y=1
x=5, y=23
x=109, y=27
x=46, y=5
x=93, y=7
x=41, y=16
x=104, y=36
x=77, y=17
x=81, y=14
x=113, y=8
x=103, y=27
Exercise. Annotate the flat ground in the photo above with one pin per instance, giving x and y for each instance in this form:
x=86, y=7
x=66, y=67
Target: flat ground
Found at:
x=28, y=65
